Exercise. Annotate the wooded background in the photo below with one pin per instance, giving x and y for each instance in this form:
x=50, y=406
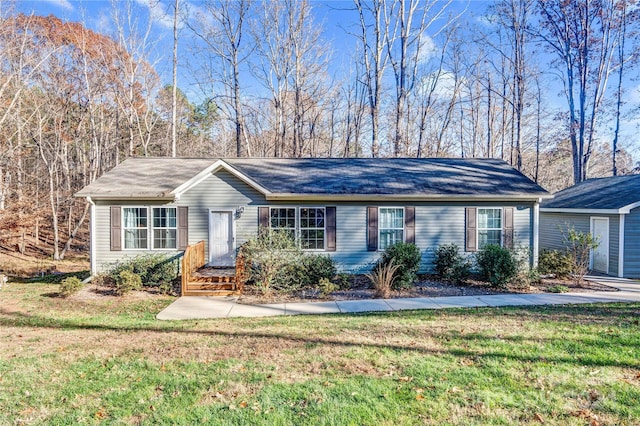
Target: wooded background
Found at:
x=545, y=85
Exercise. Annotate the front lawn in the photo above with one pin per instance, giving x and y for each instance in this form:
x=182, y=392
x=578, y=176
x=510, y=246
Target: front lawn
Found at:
x=92, y=361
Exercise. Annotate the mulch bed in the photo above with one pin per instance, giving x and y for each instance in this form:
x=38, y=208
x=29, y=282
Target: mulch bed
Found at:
x=427, y=286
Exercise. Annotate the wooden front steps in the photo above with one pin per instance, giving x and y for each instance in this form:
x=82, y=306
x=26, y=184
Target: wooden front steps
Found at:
x=198, y=280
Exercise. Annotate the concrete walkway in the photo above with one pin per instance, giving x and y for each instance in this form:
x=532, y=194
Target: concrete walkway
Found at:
x=203, y=307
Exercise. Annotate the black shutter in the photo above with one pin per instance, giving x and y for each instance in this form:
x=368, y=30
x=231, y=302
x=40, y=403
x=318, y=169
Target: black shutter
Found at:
x=116, y=228
x=372, y=228
x=183, y=227
x=507, y=227
x=410, y=225
x=330, y=224
x=471, y=243
x=263, y=217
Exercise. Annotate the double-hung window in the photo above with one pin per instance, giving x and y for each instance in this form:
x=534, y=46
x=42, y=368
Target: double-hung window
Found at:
x=391, y=228
x=284, y=218
x=165, y=228
x=489, y=226
x=312, y=228
x=304, y=224
x=142, y=234
x=135, y=227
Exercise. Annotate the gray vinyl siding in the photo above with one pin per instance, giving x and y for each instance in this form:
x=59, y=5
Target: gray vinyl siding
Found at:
x=435, y=223
x=553, y=227
x=104, y=256
x=222, y=192
x=632, y=244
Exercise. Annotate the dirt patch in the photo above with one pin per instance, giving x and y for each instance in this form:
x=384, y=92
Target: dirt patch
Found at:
x=427, y=286
x=103, y=292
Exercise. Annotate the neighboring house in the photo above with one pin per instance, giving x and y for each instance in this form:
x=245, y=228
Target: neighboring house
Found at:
x=351, y=209
x=608, y=208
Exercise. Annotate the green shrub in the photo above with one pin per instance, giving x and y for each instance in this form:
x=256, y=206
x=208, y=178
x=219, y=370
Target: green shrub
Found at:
x=276, y=263
x=555, y=262
x=406, y=256
x=127, y=281
x=270, y=259
x=70, y=286
x=558, y=289
x=155, y=270
x=326, y=287
x=343, y=281
x=450, y=264
x=496, y=264
x=383, y=277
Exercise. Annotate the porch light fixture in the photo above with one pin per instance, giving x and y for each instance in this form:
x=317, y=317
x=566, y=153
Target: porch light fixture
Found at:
x=239, y=211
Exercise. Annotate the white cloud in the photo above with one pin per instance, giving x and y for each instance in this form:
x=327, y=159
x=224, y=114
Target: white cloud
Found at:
x=63, y=4
x=157, y=12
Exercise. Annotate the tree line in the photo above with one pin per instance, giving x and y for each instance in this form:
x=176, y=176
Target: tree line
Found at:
x=543, y=84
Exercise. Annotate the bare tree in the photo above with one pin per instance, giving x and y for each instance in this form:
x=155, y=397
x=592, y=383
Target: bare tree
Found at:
x=221, y=29
x=582, y=37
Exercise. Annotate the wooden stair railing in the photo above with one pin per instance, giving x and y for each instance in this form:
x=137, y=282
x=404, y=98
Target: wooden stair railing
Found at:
x=192, y=260
x=210, y=284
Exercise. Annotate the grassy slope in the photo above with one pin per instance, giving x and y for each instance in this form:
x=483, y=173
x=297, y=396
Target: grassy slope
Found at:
x=65, y=361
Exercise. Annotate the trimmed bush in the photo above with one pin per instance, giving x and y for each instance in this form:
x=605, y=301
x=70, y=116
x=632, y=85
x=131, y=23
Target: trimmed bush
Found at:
x=154, y=270
x=326, y=287
x=127, y=281
x=450, y=264
x=70, y=286
x=559, y=263
x=558, y=289
x=496, y=264
x=406, y=256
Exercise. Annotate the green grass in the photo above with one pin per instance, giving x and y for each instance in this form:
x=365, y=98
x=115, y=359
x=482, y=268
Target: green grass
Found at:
x=109, y=361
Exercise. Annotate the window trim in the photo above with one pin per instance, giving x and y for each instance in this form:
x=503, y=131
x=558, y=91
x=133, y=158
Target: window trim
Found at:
x=501, y=229
x=298, y=228
x=324, y=228
x=149, y=228
x=153, y=228
x=404, y=225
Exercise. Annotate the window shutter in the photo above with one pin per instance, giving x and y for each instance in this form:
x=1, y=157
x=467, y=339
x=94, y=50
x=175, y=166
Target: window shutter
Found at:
x=330, y=224
x=507, y=227
x=183, y=227
x=263, y=217
x=116, y=228
x=471, y=243
x=410, y=225
x=372, y=228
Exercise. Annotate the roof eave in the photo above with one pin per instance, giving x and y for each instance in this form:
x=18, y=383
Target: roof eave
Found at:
x=404, y=197
x=129, y=197
x=621, y=210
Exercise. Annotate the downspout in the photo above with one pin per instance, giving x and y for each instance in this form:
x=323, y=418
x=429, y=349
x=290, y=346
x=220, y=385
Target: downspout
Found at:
x=621, y=246
x=92, y=238
x=536, y=232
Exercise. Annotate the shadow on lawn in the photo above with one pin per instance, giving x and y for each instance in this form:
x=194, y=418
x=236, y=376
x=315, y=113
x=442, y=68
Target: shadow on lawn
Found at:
x=614, y=313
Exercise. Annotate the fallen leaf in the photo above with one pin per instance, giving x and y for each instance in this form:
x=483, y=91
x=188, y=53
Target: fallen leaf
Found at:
x=405, y=379
x=419, y=397
x=243, y=404
x=539, y=417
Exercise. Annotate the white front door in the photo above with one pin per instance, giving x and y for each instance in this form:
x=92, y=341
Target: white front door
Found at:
x=221, y=241
x=600, y=255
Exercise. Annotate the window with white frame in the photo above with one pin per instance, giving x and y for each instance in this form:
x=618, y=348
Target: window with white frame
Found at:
x=312, y=228
x=284, y=218
x=489, y=226
x=391, y=226
x=165, y=228
x=135, y=227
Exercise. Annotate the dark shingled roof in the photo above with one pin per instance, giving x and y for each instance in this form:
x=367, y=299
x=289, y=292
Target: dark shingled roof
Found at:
x=145, y=177
x=385, y=176
x=603, y=193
